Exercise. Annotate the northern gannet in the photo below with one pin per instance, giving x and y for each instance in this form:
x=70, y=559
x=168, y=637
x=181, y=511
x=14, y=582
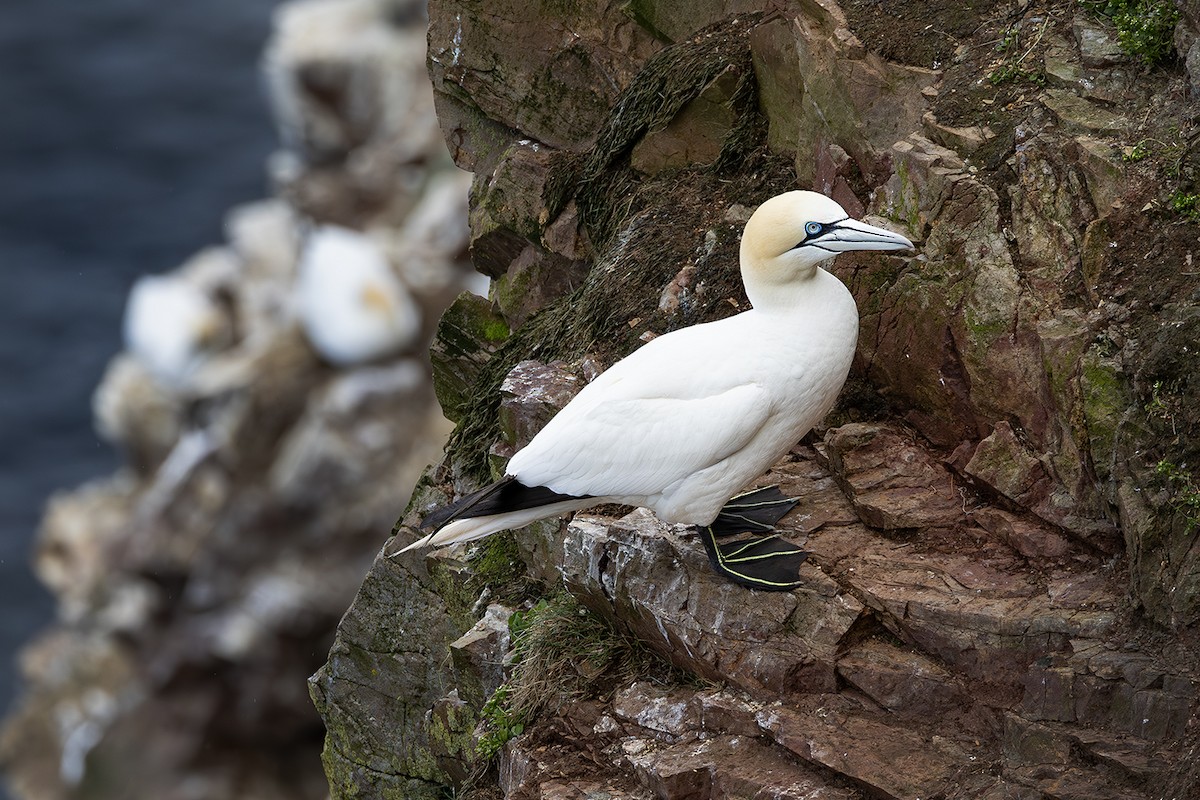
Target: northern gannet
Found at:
x=171, y=326
x=352, y=305
x=684, y=422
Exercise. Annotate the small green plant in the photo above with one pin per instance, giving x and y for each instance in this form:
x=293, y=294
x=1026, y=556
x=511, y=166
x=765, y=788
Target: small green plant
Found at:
x=1008, y=40
x=1138, y=152
x=1009, y=73
x=1186, y=203
x=1145, y=28
x=502, y=723
x=1164, y=403
x=1185, y=492
x=1010, y=69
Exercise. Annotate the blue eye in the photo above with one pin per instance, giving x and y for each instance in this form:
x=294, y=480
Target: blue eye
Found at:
x=813, y=228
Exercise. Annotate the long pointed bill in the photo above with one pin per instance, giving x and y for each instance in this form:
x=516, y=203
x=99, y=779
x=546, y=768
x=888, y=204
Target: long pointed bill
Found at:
x=853, y=234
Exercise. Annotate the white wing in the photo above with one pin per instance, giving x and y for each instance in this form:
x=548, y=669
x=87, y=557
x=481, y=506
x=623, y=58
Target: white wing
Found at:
x=640, y=447
x=650, y=421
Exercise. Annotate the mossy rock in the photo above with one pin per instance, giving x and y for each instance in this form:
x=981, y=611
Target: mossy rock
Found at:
x=468, y=333
x=1105, y=397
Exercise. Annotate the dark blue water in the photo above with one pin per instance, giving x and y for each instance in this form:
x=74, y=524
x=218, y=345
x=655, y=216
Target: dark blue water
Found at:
x=127, y=129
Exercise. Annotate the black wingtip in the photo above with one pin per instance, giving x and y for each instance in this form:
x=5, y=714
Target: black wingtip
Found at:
x=463, y=505
x=768, y=563
x=506, y=494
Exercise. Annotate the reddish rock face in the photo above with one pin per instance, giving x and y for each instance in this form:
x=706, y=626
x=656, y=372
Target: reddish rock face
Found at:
x=1000, y=600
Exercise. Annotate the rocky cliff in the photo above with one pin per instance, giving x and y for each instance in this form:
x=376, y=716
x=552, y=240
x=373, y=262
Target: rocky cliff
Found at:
x=1004, y=594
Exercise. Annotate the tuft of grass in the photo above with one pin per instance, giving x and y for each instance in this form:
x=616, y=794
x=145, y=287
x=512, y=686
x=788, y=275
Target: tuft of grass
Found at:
x=1145, y=28
x=563, y=652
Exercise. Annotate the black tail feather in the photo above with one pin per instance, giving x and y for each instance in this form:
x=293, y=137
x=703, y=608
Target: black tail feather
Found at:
x=756, y=511
x=506, y=494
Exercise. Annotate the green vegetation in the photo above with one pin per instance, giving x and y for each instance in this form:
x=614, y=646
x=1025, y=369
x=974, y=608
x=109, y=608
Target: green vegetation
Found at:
x=563, y=652
x=1164, y=404
x=1136, y=153
x=1008, y=40
x=1184, y=491
x=1186, y=203
x=1175, y=156
x=496, y=566
x=1010, y=73
x=503, y=723
x=1167, y=405
x=1010, y=69
x=1145, y=28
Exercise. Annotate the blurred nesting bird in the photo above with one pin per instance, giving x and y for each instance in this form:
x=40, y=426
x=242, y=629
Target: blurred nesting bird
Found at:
x=351, y=304
x=685, y=422
x=171, y=326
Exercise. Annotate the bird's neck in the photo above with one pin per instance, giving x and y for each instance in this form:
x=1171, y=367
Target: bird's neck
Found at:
x=808, y=289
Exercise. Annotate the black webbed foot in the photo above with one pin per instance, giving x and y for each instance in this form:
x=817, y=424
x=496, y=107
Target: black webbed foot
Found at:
x=769, y=563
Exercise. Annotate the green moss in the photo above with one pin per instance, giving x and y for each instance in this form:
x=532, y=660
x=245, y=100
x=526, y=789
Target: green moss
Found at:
x=468, y=332
x=451, y=583
x=982, y=331
x=909, y=211
x=451, y=730
x=1063, y=343
x=496, y=566
x=1105, y=399
x=495, y=330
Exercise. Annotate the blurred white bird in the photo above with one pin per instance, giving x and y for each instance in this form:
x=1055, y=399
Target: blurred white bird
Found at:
x=352, y=305
x=170, y=326
x=680, y=425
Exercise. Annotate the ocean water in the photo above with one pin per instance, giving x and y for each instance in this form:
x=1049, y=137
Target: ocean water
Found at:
x=127, y=129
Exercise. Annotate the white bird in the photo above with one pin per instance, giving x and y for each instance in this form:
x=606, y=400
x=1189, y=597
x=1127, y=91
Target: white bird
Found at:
x=683, y=423
x=170, y=326
x=352, y=305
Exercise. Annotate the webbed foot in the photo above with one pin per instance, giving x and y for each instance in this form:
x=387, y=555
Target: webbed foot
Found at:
x=769, y=563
